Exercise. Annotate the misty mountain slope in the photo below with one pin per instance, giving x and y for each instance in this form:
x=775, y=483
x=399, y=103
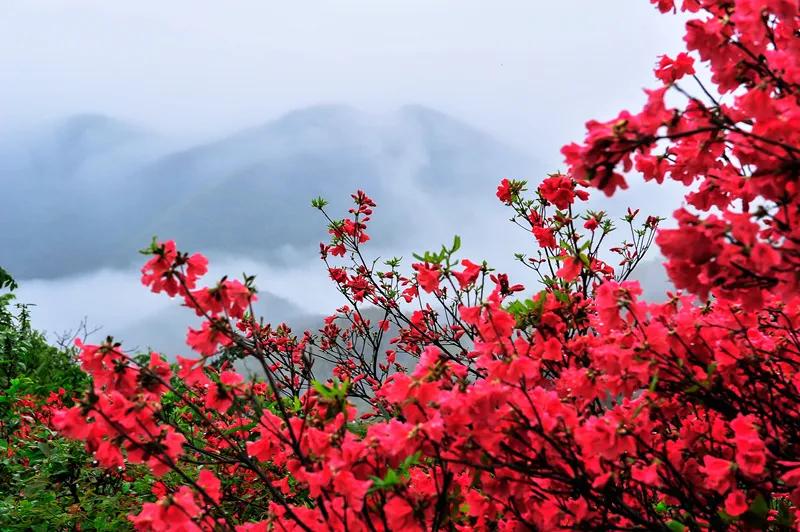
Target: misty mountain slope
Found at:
x=165, y=330
x=249, y=192
x=58, y=184
x=264, y=178
x=83, y=140
x=457, y=156
x=61, y=150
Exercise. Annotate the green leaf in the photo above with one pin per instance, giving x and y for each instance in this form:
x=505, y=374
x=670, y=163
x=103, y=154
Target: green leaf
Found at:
x=44, y=447
x=152, y=248
x=653, y=381
x=563, y=297
x=456, y=244
x=395, y=477
x=236, y=429
x=322, y=389
x=336, y=391
x=676, y=526
x=408, y=462
x=6, y=281
x=430, y=257
x=759, y=506
x=390, y=480
x=394, y=262
x=516, y=309
x=319, y=202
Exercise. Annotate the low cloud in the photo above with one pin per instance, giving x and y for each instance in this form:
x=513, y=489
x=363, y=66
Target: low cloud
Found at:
x=300, y=292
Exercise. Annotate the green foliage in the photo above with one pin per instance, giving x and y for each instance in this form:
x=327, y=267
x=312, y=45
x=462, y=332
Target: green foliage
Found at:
x=527, y=312
x=443, y=256
x=27, y=362
x=48, y=482
x=396, y=476
x=319, y=202
x=336, y=391
x=6, y=281
x=51, y=483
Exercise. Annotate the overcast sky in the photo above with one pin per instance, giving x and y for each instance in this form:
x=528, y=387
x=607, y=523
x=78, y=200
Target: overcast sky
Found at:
x=529, y=71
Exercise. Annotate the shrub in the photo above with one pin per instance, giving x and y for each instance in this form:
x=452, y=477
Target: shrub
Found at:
x=48, y=482
x=579, y=407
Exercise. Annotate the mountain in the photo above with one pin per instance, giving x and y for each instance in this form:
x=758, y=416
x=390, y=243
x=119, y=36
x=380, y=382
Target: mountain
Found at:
x=165, y=330
x=81, y=141
x=55, y=184
x=94, y=189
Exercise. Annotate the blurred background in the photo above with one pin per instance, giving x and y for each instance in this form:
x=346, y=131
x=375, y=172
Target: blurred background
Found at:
x=214, y=124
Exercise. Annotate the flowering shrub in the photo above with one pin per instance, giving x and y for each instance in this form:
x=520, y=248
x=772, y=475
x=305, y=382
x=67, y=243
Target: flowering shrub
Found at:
x=579, y=406
x=48, y=482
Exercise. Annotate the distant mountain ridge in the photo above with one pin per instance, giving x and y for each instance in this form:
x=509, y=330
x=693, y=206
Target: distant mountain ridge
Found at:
x=93, y=190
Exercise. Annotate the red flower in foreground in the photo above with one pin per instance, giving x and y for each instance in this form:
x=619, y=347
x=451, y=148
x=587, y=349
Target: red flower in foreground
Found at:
x=545, y=237
x=470, y=274
x=207, y=340
x=504, y=192
x=428, y=276
x=560, y=190
x=571, y=268
x=671, y=70
x=736, y=503
x=718, y=472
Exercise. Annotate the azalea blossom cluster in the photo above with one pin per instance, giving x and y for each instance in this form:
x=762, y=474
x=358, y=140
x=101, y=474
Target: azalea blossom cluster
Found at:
x=445, y=395
x=30, y=412
x=736, y=142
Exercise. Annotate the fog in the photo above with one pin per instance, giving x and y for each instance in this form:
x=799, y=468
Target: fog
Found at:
x=530, y=72
x=114, y=302
x=215, y=124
